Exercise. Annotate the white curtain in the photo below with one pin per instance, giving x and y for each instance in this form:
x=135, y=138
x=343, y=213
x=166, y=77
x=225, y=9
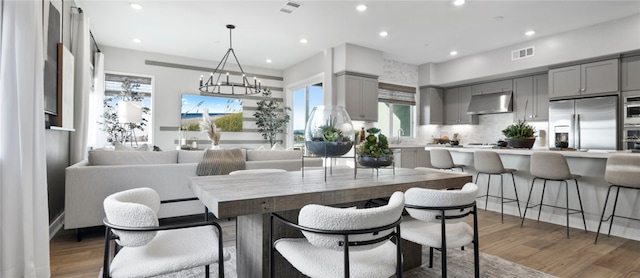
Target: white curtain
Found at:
x=97, y=138
x=24, y=217
x=80, y=49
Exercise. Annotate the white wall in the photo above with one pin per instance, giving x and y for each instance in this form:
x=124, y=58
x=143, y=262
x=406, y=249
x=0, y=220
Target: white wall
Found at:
x=170, y=83
x=351, y=57
x=607, y=38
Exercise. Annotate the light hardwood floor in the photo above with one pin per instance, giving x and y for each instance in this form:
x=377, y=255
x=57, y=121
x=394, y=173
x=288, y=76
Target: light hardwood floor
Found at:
x=541, y=246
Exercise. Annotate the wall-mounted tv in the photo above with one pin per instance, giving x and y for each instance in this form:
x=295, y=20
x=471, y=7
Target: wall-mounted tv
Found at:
x=226, y=112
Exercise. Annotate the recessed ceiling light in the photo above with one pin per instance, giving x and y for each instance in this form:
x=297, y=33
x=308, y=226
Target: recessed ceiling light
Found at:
x=458, y=2
x=384, y=34
x=361, y=7
x=453, y=53
x=268, y=61
x=137, y=40
x=530, y=33
x=136, y=6
x=303, y=41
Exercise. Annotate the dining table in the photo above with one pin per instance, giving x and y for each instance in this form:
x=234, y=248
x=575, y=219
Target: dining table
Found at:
x=251, y=199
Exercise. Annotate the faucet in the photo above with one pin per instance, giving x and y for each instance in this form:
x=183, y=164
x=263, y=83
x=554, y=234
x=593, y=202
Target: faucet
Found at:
x=400, y=133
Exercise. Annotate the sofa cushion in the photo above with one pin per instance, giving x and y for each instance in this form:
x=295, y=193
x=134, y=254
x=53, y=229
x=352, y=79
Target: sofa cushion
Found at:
x=259, y=155
x=189, y=156
x=102, y=157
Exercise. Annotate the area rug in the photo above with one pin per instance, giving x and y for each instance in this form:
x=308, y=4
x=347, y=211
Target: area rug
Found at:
x=459, y=265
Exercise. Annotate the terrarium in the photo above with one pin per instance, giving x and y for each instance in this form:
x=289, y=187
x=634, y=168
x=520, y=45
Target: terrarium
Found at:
x=329, y=131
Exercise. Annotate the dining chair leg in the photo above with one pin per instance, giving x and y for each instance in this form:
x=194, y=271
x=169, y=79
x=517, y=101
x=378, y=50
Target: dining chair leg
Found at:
x=501, y=198
x=526, y=206
x=613, y=213
x=430, y=257
x=584, y=221
x=566, y=188
x=515, y=190
x=488, y=185
x=602, y=216
x=544, y=187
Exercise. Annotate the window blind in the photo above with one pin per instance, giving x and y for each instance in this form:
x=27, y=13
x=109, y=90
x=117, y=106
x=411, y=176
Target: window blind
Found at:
x=396, y=94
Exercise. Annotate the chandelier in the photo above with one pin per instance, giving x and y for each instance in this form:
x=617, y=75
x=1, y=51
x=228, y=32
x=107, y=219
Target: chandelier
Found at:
x=216, y=84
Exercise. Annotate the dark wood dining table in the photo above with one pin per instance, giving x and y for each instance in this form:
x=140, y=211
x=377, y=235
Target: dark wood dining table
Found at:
x=252, y=198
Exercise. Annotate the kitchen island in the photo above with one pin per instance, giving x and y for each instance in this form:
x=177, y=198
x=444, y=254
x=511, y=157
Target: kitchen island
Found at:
x=593, y=189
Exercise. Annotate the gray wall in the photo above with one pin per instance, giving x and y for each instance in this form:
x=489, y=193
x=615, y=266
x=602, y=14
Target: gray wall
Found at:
x=611, y=37
x=171, y=82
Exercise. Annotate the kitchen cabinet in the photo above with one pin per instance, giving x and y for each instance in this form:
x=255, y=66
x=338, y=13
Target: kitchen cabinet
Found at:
x=431, y=102
x=411, y=158
x=359, y=96
x=630, y=73
x=531, y=96
x=584, y=79
x=456, y=104
x=492, y=87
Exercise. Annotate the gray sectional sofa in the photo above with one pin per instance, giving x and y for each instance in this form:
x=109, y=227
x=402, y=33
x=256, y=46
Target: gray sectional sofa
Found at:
x=106, y=171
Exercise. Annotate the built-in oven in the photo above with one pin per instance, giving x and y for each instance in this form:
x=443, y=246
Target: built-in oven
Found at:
x=631, y=137
x=631, y=108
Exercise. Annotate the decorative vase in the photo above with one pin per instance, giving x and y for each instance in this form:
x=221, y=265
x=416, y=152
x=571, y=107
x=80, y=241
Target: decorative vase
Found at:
x=329, y=131
x=372, y=162
x=521, y=143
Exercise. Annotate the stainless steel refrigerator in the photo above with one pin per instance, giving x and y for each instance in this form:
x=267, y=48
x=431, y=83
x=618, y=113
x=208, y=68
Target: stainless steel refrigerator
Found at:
x=587, y=123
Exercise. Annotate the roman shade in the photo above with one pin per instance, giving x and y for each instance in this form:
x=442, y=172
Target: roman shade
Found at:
x=396, y=94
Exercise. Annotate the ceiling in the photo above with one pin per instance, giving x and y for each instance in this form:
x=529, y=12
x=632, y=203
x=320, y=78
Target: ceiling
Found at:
x=419, y=32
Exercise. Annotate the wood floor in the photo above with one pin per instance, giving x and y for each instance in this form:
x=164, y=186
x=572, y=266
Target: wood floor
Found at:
x=541, y=246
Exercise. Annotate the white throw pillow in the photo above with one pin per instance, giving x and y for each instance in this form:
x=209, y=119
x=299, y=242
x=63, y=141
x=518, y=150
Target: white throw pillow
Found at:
x=277, y=147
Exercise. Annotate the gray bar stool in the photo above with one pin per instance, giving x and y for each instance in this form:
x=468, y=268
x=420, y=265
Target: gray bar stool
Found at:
x=441, y=159
x=622, y=171
x=554, y=167
x=489, y=163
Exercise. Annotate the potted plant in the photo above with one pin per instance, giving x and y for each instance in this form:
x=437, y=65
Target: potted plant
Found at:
x=374, y=151
x=329, y=131
x=520, y=135
x=268, y=118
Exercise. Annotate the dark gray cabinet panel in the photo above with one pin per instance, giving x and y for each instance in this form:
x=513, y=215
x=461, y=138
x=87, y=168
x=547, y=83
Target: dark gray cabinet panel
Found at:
x=359, y=96
x=431, y=110
x=492, y=87
x=456, y=104
x=591, y=78
x=564, y=82
x=531, y=98
x=541, y=97
x=630, y=71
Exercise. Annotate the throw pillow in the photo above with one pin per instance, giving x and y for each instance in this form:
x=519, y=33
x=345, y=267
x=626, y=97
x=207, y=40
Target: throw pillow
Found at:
x=277, y=147
x=220, y=162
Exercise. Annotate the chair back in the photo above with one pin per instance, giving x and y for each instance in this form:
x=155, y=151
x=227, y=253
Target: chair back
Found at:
x=441, y=159
x=440, y=200
x=487, y=162
x=348, y=219
x=549, y=165
x=623, y=169
x=133, y=208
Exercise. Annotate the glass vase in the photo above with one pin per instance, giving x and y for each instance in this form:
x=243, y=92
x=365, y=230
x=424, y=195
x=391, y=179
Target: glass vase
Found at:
x=329, y=131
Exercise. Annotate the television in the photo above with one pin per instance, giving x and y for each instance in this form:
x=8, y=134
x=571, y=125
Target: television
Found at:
x=226, y=112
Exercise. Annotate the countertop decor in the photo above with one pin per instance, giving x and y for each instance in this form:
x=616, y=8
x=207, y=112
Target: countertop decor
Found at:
x=520, y=135
x=375, y=151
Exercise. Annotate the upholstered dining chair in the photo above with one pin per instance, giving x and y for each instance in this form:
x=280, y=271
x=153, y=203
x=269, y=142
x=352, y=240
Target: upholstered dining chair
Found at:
x=441, y=159
x=343, y=242
x=437, y=219
x=144, y=248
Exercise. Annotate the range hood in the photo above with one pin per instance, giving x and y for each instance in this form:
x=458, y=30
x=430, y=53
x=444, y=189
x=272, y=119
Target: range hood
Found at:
x=491, y=103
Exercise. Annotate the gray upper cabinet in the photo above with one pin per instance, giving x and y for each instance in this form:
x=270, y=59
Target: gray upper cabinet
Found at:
x=431, y=102
x=456, y=104
x=492, y=87
x=531, y=98
x=630, y=71
x=584, y=79
x=359, y=96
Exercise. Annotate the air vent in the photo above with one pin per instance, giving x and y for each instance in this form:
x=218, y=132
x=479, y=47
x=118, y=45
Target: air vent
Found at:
x=522, y=53
x=289, y=7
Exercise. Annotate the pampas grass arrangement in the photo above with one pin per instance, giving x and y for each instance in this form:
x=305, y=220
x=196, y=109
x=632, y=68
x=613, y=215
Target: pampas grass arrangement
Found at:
x=208, y=126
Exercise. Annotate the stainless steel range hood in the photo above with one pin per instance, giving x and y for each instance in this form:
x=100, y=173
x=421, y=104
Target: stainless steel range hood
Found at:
x=491, y=103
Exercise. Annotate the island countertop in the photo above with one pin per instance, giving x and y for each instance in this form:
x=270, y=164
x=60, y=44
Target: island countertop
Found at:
x=506, y=151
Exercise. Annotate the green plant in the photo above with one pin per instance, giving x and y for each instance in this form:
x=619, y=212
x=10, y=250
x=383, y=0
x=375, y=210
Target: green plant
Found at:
x=268, y=118
x=519, y=130
x=376, y=144
x=331, y=133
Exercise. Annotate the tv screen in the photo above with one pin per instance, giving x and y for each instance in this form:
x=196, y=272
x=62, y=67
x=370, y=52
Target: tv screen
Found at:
x=226, y=112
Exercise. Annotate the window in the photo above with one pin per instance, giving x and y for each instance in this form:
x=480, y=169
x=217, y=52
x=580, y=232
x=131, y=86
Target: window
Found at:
x=393, y=116
x=110, y=122
x=396, y=109
x=304, y=100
